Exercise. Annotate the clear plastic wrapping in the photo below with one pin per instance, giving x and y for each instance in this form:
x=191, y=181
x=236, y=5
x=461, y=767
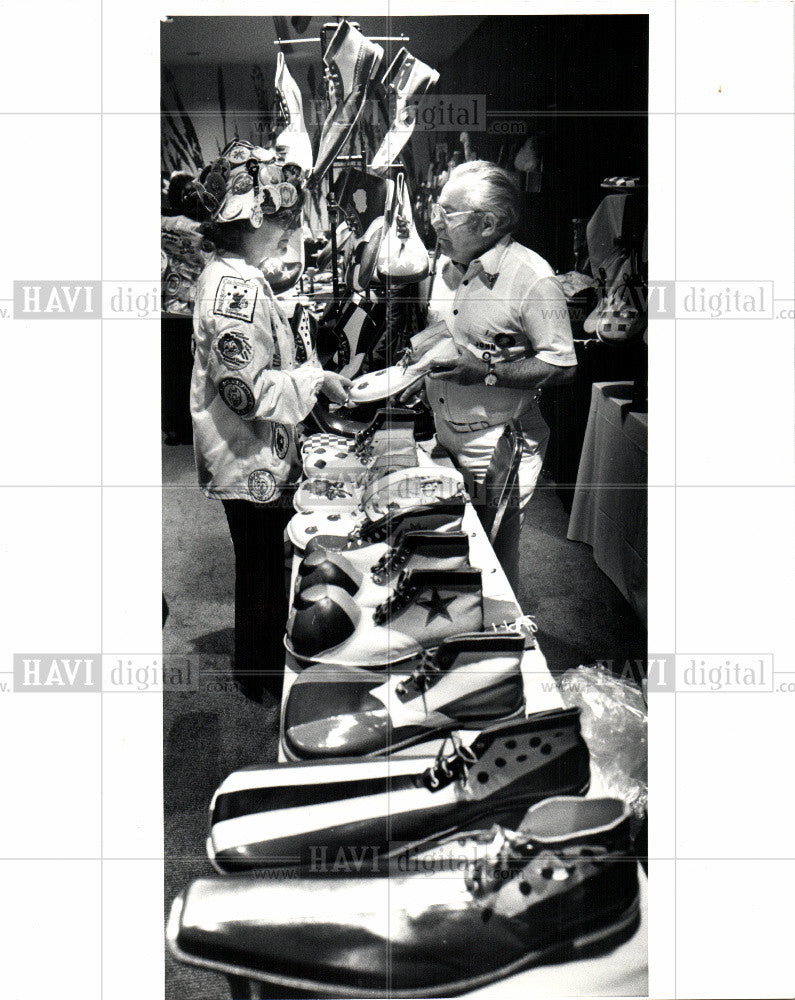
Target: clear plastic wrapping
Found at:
x=615, y=727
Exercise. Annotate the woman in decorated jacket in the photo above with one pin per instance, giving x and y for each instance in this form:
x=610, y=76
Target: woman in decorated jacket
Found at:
x=253, y=382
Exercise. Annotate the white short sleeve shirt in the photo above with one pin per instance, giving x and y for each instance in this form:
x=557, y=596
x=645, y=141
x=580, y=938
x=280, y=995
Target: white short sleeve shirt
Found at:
x=507, y=302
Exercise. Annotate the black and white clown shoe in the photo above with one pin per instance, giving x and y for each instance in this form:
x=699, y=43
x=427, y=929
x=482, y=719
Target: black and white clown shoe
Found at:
x=468, y=682
x=384, y=532
x=374, y=585
x=293, y=814
x=327, y=626
x=450, y=916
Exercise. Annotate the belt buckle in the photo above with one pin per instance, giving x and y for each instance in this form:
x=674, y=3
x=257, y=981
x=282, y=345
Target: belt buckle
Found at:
x=478, y=425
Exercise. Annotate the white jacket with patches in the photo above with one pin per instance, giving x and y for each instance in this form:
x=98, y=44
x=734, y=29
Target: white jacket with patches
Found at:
x=247, y=390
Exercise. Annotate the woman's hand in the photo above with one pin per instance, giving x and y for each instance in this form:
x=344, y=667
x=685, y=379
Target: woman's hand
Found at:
x=335, y=387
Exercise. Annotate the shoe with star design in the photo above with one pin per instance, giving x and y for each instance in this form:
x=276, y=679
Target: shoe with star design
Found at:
x=327, y=625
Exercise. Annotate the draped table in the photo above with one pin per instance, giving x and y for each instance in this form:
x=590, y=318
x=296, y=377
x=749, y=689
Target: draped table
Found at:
x=622, y=972
x=610, y=511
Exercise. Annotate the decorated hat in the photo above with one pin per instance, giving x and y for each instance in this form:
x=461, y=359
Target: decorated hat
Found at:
x=250, y=182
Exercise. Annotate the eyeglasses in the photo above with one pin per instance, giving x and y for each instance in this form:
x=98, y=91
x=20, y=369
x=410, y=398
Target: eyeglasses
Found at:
x=441, y=215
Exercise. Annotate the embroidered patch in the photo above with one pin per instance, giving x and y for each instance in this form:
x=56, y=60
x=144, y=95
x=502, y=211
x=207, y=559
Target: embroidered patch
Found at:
x=261, y=485
x=234, y=349
x=235, y=298
x=281, y=440
x=237, y=395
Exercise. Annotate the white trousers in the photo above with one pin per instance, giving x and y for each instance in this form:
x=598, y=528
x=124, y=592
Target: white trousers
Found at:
x=471, y=451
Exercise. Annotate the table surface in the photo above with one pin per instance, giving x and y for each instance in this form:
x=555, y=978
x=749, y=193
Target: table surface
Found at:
x=623, y=972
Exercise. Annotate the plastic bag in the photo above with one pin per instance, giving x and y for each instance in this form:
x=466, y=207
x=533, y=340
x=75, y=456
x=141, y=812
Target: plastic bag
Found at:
x=615, y=727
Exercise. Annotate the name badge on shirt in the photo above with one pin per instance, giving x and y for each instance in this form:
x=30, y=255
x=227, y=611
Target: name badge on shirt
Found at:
x=504, y=347
x=235, y=298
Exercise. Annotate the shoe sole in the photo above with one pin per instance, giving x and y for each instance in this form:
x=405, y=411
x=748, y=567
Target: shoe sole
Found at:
x=599, y=941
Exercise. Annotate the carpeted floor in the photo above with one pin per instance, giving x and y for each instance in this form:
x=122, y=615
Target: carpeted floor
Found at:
x=208, y=733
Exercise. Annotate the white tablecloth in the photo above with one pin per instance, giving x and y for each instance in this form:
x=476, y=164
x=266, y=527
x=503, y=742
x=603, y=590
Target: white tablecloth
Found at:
x=623, y=972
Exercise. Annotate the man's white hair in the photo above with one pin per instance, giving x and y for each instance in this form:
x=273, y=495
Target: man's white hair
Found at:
x=489, y=188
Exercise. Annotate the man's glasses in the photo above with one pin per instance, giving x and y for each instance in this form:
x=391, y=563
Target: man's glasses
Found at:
x=441, y=215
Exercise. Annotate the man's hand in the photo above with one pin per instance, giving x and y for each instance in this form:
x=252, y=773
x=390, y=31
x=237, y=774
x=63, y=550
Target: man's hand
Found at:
x=468, y=370
x=336, y=387
x=415, y=394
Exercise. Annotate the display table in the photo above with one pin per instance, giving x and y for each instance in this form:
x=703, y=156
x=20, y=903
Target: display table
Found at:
x=609, y=510
x=621, y=972
x=499, y=605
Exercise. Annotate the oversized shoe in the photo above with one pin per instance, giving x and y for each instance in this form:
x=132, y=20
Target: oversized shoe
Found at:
x=409, y=79
x=443, y=352
x=468, y=682
x=292, y=144
x=388, y=441
x=441, y=515
x=463, y=912
x=286, y=814
x=350, y=531
x=374, y=584
x=352, y=61
x=326, y=625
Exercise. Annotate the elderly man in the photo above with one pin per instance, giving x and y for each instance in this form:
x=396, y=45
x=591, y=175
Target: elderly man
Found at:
x=508, y=313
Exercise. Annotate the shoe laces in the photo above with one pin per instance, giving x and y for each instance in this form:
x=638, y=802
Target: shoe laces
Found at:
x=404, y=592
x=331, y=489
x=363, y=449
x=449, y=766
x=402, y=227
x=508, y=852
x=421, y=678
x=405, y=359
x=394, y=558
x=498, y=864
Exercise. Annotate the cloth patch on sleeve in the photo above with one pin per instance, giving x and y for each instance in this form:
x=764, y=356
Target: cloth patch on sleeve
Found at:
x=281, y=440
x=261, y=485
x=234, y=349
x=235, y=298
x=237, y=395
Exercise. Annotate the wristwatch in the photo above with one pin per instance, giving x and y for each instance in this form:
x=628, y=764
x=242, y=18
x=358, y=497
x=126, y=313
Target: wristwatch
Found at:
x=491, y=378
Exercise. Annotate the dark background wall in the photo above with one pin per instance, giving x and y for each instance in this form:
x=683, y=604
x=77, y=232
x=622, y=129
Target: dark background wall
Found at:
x=583, y=82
